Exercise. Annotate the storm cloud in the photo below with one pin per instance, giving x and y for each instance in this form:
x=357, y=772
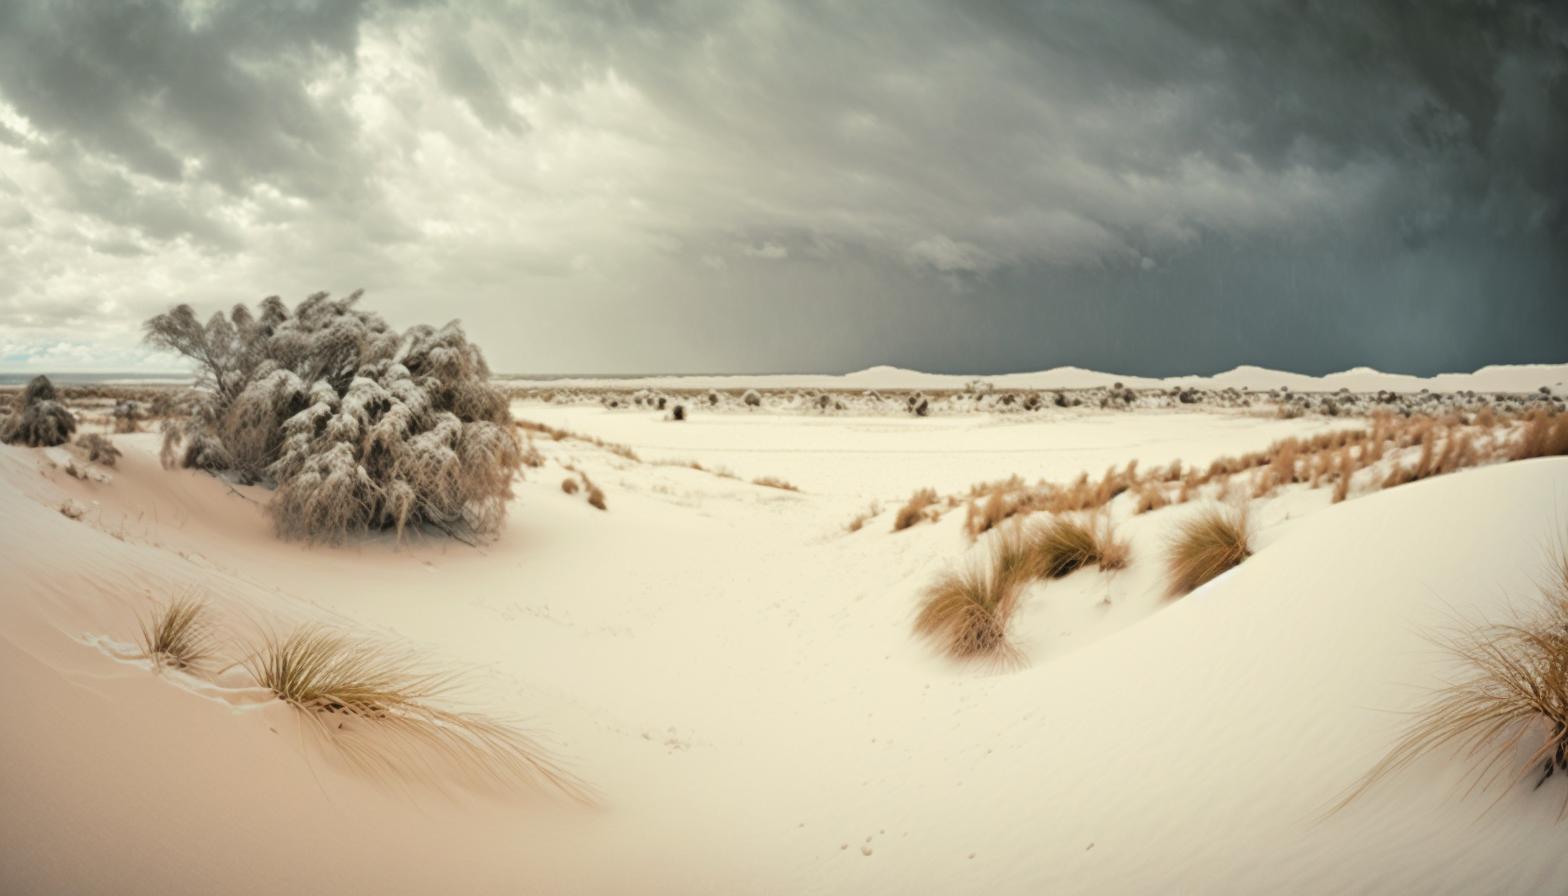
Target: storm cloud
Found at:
x=1154, y=187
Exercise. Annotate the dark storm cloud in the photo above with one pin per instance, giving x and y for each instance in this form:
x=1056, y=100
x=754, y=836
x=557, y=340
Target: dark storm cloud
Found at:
x=1150, y=186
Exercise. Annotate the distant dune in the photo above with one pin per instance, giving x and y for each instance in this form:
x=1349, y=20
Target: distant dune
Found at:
x=1497, y=378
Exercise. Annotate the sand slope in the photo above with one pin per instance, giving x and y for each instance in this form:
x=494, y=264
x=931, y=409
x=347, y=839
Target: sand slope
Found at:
x=736, y=674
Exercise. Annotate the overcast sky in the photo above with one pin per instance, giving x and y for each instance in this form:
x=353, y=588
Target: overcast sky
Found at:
x=1157, y=187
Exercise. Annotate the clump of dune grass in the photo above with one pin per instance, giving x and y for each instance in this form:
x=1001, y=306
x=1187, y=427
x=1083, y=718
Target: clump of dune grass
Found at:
x=860, y=520
x=380, y=705
x=569, y=485
x=1062, y=546
x=966, y=611
x=1511, y=696
x=177, y=634
x=915, y=510
x=1216, y=540
x=774, y=482
x=595, y=493
x=1114, y=553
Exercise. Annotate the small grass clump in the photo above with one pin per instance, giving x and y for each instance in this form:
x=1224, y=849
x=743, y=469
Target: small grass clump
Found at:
x=966, y=611
x=1061, y=546
x=1512, y=694
x=177, y=635
x=774, y=482
x=860, y=520
x=378, y=704
x=915, y=510
x=569, y=485
x=1207, y=545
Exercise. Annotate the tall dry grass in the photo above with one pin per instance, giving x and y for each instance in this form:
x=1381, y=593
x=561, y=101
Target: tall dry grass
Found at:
x=967, y=610
x=1511, y=697
x=1216, y=540
x=380, y=706
x=1061, y=546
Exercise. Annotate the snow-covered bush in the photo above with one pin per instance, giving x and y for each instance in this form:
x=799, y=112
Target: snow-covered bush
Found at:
x=38, y=419
x=358, y=426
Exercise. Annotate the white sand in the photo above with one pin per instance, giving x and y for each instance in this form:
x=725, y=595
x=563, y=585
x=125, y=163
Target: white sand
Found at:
x=736, y=673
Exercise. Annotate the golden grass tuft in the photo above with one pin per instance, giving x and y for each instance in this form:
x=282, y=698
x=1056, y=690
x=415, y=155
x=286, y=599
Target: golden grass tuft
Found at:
x=378, y=704
x=177, y=634
x=1150, y=496
x=915, y=510
x=1062, y=546
x=1542, y=436
x=1512, y=695
x=774, y=482
x=1214, y=541
x=966, y=611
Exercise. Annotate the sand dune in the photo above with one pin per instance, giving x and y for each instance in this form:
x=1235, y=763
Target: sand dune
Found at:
x=735, y=672
x=1497, y=378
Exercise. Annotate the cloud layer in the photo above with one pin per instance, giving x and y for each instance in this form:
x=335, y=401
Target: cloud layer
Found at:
x=1148, y=187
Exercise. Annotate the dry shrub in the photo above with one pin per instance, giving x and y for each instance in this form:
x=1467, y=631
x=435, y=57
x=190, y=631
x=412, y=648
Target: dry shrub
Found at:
x=1542, y=436
x=569, y=485
x=361, y=427
x=1216, y=540
x=38, y=419
x=99, y=449
x=1512, y=693
x=966, y=611
x=774, y=482
x=380, y=705
x=915, y=510
x=177, y=635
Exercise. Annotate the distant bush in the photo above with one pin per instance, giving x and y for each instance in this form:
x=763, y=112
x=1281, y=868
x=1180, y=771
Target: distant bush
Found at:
x=1207, y=545
x=127, y=417
x=751, y=398
x=39, y=419
x=359, y=426
x=678, y=412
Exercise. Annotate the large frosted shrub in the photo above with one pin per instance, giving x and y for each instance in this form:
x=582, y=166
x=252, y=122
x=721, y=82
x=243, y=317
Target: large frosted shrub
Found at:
x=360, y=427
x=39, y=419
